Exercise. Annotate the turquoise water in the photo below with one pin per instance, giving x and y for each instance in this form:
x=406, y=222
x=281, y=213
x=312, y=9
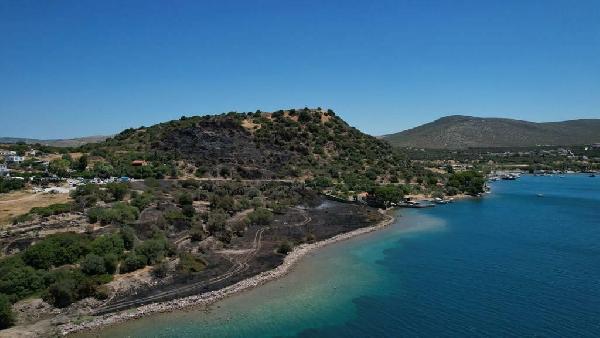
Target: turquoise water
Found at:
x=511, y=264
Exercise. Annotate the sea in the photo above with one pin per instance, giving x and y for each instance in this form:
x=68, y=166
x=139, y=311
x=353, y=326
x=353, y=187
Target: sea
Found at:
x=523, y=261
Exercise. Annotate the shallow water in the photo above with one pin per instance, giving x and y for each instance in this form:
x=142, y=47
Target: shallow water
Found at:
x=511, y=264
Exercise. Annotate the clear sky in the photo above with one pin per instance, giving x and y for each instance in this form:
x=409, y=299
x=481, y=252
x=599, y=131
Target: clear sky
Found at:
x=78, y=68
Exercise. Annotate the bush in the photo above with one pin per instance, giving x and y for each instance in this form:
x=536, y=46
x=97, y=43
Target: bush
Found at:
x=197, y=233
x=153, y=250
x=61, y=294
x=87, y=195
x=93, y=265
x=188, y=210
x=284, y=247
x=185, y=199
x=133, y=262
x=216, y=221
x=53, y=209
x=128, y=236
x=19, y=280
x=7, y=318
x=56, y=250
x=111, y=262
x=117, y=190
x=142, y=201
x=108, y=244
x=160, y=270
x=189, y=264
x=469, y=182
x=8, y=184
x=22, y=218
x=260, y=216
x=120, y=213
x=385, y=195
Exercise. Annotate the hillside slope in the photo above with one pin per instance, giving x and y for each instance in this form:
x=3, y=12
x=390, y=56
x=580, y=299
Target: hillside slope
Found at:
x=71, y=142
x=459, y=132
x=284, y=144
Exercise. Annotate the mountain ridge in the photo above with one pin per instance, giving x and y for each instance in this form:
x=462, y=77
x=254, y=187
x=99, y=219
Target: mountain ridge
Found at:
x=67, y=142
x=461, y=131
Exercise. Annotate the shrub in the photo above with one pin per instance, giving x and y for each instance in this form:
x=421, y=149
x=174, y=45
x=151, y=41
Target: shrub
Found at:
x=8, y=184
x=160, y=270
x=108, y=244
x=93, y=265
x=185, y=199
x=128, y=236
x=260, y=216
x=53, y=209
x=133, y=262
x=284, y=247
x=197, y=233
x=189, y=264
x=469, y=182
x=188, y=210
x=153, y=250
x=56, y=250
x=117, y=190
x=61, y=294
x=120, y=213
x=19, y=280
x=111, y=262
x=7, y=318
x=142, y=201
x=216, y=221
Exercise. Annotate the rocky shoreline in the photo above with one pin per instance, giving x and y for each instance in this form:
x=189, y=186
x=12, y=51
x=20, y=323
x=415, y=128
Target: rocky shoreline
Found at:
x=211, y=297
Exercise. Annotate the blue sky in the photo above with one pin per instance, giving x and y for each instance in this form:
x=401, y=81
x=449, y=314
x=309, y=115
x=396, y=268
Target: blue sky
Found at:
x=77, y=68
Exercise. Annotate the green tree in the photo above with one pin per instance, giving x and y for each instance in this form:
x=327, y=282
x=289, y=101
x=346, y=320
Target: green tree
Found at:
x=153, y=250
x=59, y=167
x=128, y=236
x=108, y=244
x=81, y=163
x=62, y=293
x=117, y=190
x=260, y=216
x=133, y=262
x=386, y=195
x=7, y=318
x=216, y=221
x=93, y=265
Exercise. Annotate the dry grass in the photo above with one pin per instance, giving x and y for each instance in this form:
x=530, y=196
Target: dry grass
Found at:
x=250, y=125
x=20, y=202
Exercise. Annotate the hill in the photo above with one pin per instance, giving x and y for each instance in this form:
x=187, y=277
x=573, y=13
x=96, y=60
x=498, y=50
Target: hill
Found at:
x=459, y=132
x=304, y=143
x=72, y=142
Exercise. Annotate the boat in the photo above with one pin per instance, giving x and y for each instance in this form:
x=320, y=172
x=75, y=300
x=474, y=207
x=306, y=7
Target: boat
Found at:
x=438, y=200
x=411, y=204
x=540, y=195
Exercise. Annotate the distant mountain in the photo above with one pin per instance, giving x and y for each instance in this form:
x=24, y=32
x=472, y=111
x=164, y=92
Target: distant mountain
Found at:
x=72, y=142
x=459, y=132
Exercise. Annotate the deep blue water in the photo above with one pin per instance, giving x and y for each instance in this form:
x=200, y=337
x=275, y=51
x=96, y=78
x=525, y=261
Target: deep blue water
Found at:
x=510, y=264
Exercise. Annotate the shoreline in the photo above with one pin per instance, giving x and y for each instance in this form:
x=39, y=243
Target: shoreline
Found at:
x=211, y=297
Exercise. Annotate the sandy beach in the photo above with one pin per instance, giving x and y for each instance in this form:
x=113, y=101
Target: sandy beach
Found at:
x=211, y=297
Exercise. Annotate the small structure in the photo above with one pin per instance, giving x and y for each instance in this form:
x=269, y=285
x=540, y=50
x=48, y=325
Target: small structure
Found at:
x=14, y=159
x=361, y=197
x=4, y=171
x=138, y=163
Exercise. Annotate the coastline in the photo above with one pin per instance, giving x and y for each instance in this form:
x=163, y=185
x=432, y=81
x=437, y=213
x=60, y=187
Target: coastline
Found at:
x=214, y=296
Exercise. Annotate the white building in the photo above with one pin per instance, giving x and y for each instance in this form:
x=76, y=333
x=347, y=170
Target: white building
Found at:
x=3, y=170
x=15, y=158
